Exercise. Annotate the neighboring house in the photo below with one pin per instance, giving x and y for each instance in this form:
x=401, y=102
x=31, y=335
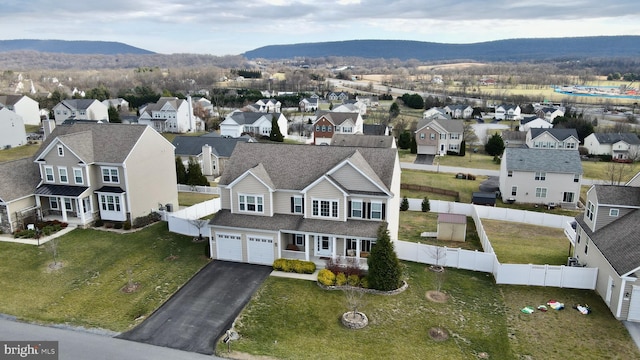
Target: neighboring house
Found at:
x=514, y=138
x=507, y=112
x=205, y=104
x=80, y=109
x=564, y=139
x=12, y=131
x=211, y=151
x=24, y=106
x=309, y=104
x=305, y=202
x=534, y=122
x=369, y=100
x=340, y=96
x=436, y=113
x=549, y=113
x=608, y=238
x=541, y=176
x=119, y=104
x=437, y=137
x=621, y=146
x=459, y=111
x=329, y=123
x=17, y=202
x=256, y=124
x=171, y=115
x=360, y=140
x=113, y=172
x=355, y=105
x=266, y=106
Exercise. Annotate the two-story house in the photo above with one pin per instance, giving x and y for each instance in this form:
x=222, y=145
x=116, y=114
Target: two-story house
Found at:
x=608, y=238
x=119, y=104
x=304, y=202
x=337, y=96
x=211, y=151
x=172, y=115
x=550, y=138
x=436, y=113
x=266, y=106
x=329, y=123
x=533, y=122
x=115, y=172
x=459, y=111
x=507, y=112
x=256, y=124
x=369, y=100
x=309, y=104
x=540, y=176
x=621, y=146
x=24, y=106
x=549, y=113
x=80, y=109
x=437, y=137
x=12, y=131
x=17, y=203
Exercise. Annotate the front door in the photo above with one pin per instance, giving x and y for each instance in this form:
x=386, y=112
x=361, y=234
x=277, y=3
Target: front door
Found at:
x=323, y=246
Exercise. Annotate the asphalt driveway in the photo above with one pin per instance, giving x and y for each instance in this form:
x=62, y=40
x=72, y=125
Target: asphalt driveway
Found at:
x=203, y=309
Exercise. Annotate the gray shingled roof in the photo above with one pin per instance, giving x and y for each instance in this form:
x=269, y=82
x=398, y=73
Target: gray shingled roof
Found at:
x=619, y=241
x=102, y=143
x=78, y=104
x=547, y=160
x=250, y=117
x=359, y=140
x=19, y=178
x=560, y=134
x=612, y=138
x=373, y=129
x=175, y=103
x=529, y=119
x=452, y=126
x=337, y=118
x=294, y=167
x=618, y=195
x=10, y=100
x=296, y=223
x=192, y=145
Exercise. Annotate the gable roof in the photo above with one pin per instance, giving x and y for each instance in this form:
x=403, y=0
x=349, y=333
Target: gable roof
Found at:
x=78, y=104
x=560, y=134
x=96, y=142
x=10, y=100
x=451, y=126
x=620, y=195
x=373, y=129
x=337, y=118
x=250, y=117
x=547, y=160
x=293, y=167
x=359, y=140
x=220, y=146
x=612, y=138
x=19, y=179
x=528, y=119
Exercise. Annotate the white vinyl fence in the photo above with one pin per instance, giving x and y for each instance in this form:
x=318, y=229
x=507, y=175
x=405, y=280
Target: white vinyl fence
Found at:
x=186, y=221
x=515, y=274
x=199, y=189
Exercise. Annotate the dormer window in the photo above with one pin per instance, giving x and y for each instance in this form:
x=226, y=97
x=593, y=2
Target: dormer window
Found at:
x=251, y=203
x=60, y=150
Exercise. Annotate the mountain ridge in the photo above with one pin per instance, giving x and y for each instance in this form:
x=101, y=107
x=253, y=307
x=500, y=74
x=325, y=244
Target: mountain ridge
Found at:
x=84, y=47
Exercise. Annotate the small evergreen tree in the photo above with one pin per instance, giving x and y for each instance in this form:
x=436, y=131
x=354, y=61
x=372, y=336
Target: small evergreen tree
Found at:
x=404, y=140
x=275, y=134
x=404, y=205
x=194, y=174
x=426, y=207
x=181, y=171
x=495, y=145
x=114, y=115
x=463, y=148
x=414, y=145
x=394, y=110
x=384, y=267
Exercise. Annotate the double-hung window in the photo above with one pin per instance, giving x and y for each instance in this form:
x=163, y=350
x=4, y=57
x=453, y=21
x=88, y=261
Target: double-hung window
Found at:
x=325, y=208
x=376, y=210
x=251, y=203
x=77, y=176
x=541, y=192
x=110, y=175
x=48, y=174
x=62, y=173
x=356, y=209
x=540, y=176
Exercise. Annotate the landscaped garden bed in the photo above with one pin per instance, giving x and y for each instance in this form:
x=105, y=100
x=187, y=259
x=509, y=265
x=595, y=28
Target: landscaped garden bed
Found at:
x=40, y=229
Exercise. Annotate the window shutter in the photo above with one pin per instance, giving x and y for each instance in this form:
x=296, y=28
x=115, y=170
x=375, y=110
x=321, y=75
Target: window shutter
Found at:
x=303, y=205
x=292, y=205
x=384, y=206
x=368, y=211
x=349, y=209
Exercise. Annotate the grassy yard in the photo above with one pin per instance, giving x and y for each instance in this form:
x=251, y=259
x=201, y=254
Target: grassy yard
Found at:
x=192, y=198
x=475, y=161
x=482, y=319
x=442, y=181
x=413, y=223
x=516, y=243
x=18, y=152
x=86, y=291
x=601, y=170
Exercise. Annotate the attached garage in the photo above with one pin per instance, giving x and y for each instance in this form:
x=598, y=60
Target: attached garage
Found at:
x=427, y=149
x=260, y=250
x=229, y=247
x=634, y=306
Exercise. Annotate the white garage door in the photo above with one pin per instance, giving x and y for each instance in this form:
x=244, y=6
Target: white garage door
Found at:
x=634, y=306
x=229, y=247
x=260, y=250
x=427, y=149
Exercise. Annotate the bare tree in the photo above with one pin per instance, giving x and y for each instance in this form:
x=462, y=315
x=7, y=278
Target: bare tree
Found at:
x=52, y=248
x=355, y=299
x=199, y=224
x=621, y=171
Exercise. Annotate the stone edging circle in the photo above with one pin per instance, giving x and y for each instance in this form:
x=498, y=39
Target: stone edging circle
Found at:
x=368, y=291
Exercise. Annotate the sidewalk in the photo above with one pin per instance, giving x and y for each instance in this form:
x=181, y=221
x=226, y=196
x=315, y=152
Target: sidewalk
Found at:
x=42, y=240
x=289, y=275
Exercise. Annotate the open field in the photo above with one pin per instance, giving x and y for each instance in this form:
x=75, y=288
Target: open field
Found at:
x=483, y=320
x=97, y=265
x=516, y=243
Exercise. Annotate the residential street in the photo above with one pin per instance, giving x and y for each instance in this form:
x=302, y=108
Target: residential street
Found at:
x=80, y=345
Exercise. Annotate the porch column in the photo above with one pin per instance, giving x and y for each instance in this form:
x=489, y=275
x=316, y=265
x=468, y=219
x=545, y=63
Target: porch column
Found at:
x=63, y=207
x=333, y=246
x=39, y=207
x=358, y=249
x=80, y=208
x=307, y=247
x=279, y=246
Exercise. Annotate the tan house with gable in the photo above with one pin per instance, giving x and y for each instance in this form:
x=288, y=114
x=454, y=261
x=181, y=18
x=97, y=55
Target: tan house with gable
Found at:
x=305, y=202
x=437, y=137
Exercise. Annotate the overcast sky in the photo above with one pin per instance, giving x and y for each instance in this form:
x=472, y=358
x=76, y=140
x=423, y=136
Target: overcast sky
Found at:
x=231, y=27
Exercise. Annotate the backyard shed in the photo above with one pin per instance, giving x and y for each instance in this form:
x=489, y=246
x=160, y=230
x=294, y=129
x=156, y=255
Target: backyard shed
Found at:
x=452, y=227
x=484, y=198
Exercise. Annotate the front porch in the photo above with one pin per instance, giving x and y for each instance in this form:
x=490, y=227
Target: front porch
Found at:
x=319, y=248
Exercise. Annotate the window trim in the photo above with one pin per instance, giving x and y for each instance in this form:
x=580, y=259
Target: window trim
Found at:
x=332, y=208
x=75, y=176
x=243, y=203
x=374, y=203
x=54, y=204
x=540, y=176
x=540, y=191
x=64, y=178
x=353, y=210
x=46, y=175
x=612, y=211
x=60, y=150
x=294, y=205
x=110, y=174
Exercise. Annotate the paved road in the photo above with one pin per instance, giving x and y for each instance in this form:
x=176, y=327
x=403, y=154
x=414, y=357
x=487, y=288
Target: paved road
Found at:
x=203, y=309
x=79, y=345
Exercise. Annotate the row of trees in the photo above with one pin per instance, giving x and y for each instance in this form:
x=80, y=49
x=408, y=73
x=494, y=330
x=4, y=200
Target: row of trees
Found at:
x=192, y=174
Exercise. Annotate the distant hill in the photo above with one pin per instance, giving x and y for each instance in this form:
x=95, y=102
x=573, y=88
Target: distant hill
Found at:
x=500, y=50
x=71, y=47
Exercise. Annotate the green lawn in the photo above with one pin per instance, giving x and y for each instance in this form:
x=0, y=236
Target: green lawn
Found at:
x=516, y=243
x=442, y=181
x=192, y=198
x=97, y=264
x=18, y=152
x=413, y=223
x=473, y=160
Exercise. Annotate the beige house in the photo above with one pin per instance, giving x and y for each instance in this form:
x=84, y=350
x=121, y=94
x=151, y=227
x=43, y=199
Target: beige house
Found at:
x=550, y=138
x=607, y=238
x=80, y=109
x=17, y=203
x=115, y=172
x=305, y=202
x=437, y=137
